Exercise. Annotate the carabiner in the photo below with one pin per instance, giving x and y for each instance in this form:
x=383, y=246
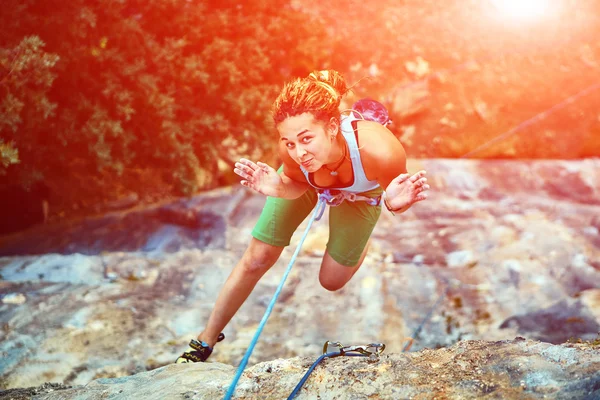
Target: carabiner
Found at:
x=371, y=349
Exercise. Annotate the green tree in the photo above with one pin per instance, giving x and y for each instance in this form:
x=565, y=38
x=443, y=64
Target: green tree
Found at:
x=168, y=86
x=26, y=77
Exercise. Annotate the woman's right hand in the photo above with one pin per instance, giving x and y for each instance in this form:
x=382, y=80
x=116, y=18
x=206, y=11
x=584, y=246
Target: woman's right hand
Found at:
x=259, y=177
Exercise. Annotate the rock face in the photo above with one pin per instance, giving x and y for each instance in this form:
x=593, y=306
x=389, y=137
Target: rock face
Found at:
x=185, y=224
x=500, y=249
x=519, y=369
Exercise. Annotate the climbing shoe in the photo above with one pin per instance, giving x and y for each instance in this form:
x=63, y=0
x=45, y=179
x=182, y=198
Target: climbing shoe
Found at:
x=197, y=352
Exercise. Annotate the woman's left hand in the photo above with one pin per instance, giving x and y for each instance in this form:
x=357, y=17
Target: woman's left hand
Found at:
x=405, y=190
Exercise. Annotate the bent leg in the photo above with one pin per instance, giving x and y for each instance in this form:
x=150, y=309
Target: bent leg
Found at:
x=333, y=275
x=258, y=259
x=277, y=223
x=350, y=227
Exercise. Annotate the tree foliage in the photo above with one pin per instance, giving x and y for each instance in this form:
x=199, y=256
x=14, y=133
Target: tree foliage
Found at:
x=92, y=91
x=26, y=77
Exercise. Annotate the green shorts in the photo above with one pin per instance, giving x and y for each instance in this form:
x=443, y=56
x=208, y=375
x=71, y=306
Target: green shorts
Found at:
x=350, y=224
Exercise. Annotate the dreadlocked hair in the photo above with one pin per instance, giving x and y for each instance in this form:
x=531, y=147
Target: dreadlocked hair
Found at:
x=320, y=94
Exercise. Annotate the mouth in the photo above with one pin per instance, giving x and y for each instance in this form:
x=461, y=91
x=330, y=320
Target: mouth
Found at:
x=306, y=163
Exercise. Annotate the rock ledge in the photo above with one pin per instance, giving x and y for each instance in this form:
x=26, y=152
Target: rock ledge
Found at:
x=514, y=369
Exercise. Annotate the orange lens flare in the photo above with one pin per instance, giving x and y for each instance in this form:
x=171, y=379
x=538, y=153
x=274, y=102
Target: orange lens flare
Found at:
x=522, y=9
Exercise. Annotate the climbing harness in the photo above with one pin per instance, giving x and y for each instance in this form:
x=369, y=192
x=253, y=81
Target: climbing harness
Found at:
x=372, y=350
x=334, y=198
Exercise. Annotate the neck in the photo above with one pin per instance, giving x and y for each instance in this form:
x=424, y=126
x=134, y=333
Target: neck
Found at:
x=338, y=154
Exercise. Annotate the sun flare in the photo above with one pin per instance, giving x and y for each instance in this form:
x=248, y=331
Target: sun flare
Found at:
x=522, y=8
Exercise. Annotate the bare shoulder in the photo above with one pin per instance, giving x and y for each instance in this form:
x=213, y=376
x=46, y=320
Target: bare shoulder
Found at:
x=378, y=142
x=381, y=153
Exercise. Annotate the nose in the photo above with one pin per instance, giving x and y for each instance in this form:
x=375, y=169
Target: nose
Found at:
x=300, y=152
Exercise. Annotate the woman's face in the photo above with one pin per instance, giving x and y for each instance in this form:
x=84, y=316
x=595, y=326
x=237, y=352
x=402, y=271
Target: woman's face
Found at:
x=308, y=142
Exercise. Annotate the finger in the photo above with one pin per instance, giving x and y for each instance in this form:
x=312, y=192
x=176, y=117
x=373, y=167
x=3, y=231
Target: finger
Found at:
x=421, y=197
x=400, y=178
x=248, y=167
x=248, y=185
x=418, y=176
x=420, y=182
x=242, y=167
x=264, y=167
x=422, y=189
x=243, y=170
x=242, y=173
x=248, y=163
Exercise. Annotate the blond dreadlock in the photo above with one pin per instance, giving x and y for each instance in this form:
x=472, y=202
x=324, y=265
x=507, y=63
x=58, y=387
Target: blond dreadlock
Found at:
x=320, y=93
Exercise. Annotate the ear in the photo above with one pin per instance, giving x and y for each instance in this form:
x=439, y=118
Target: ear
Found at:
x=333, y=126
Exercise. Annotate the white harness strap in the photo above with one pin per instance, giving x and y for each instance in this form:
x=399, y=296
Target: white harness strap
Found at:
x=337, y=199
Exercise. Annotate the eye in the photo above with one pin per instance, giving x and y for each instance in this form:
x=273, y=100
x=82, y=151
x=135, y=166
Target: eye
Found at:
x=289, y=145
x=306, y=139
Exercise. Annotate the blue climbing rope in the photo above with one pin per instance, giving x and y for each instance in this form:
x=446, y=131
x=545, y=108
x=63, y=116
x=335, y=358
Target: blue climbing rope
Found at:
x=369, y=350
x=317, y=362
x=317, y=214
